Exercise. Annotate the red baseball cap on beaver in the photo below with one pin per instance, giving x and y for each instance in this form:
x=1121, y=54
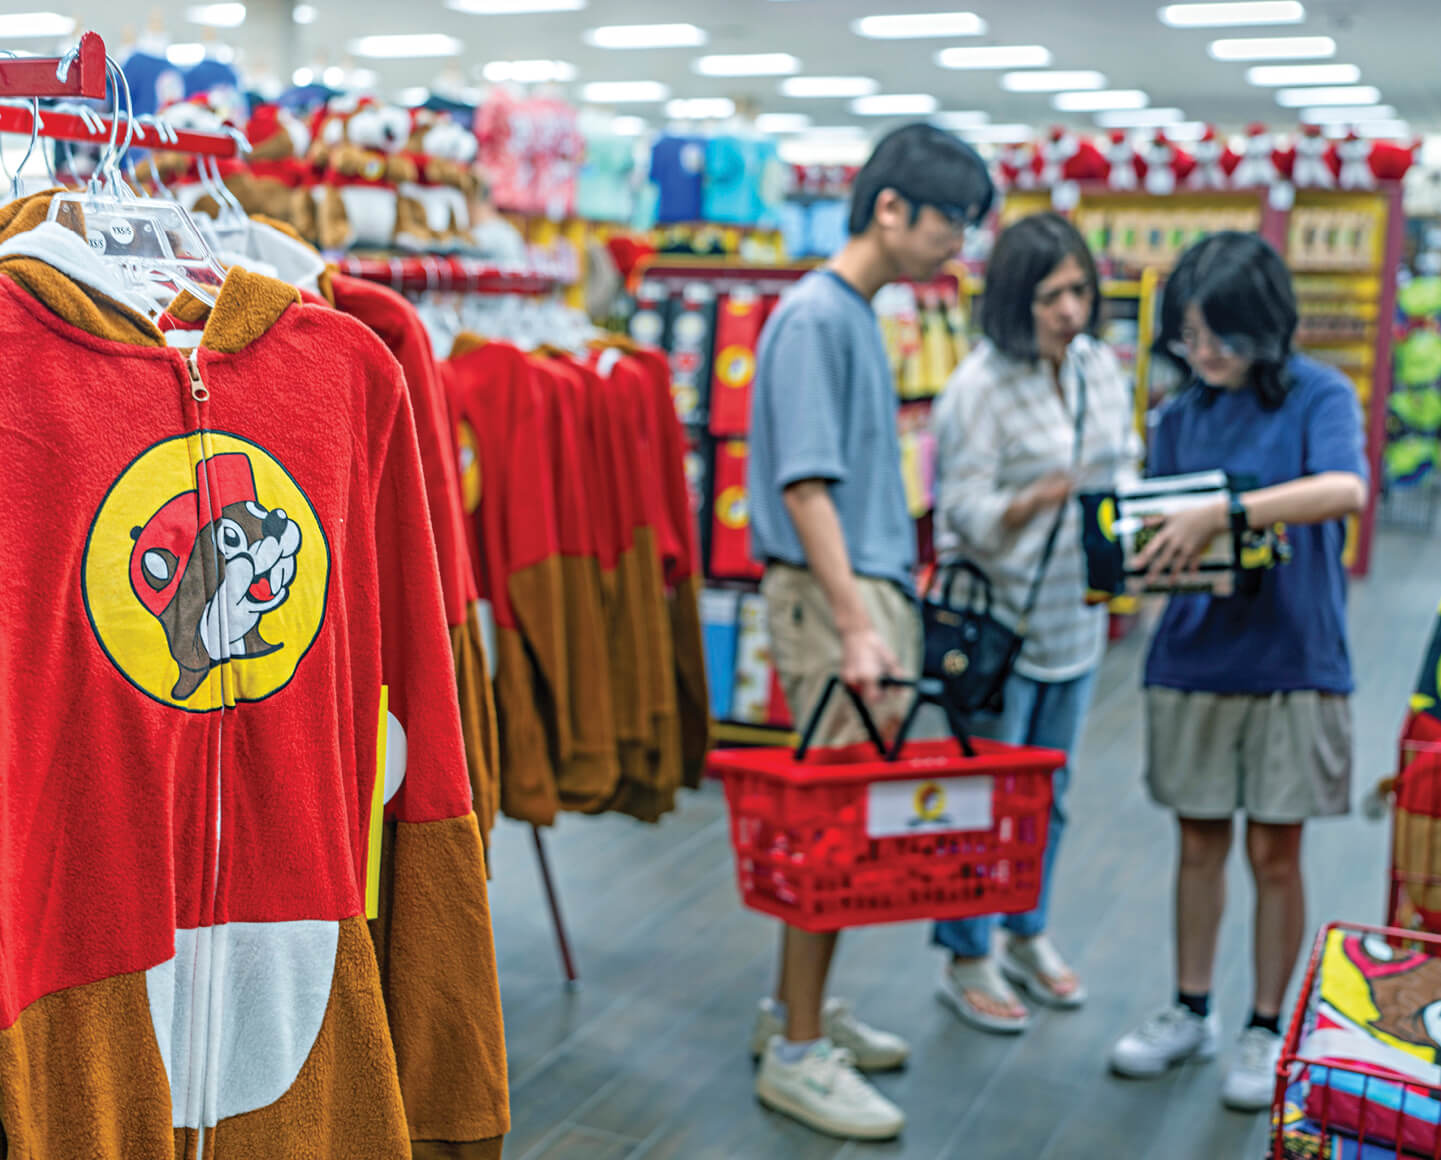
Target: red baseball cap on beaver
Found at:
x=163, y=546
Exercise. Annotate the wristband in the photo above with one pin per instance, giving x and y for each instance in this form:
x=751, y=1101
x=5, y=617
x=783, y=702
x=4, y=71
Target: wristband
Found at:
x=1240, y=519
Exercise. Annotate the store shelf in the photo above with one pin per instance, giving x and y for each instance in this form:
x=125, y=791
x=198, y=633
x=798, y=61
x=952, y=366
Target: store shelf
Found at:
x=448, y=273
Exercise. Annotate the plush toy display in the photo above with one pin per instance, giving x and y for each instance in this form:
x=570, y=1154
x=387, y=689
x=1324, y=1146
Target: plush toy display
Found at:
x=1258, y=165
x=1160, y=166
x=1355, y=155
x=275, y=182
x=1124, y=167
x=1312, y=169
x=1215, y=162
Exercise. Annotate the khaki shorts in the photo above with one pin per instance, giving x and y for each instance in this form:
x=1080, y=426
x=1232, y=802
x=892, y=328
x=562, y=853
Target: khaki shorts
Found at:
x=1281, y=758
x=806, y=648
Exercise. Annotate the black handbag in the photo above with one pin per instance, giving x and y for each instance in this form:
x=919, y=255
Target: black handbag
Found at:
x=968, y=651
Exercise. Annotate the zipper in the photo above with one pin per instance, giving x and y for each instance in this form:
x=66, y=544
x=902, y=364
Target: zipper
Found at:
x=198, y=390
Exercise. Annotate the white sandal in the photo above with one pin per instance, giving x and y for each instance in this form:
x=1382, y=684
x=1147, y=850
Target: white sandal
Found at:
x=958, y=979
x=1034, y=964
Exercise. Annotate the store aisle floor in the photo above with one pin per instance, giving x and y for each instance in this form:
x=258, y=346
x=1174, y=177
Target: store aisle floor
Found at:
x=647, y=1060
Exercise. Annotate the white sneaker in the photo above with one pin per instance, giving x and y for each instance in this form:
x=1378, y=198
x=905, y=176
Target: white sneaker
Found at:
x=824, y=1091
x=1251, y=1083
x=874, y=1050
x=1169, y=1037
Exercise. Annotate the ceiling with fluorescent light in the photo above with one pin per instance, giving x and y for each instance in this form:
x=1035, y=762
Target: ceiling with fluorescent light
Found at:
x=1388, y=41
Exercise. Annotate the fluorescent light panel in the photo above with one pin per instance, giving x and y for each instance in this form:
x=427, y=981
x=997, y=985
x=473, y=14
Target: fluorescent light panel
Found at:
x=303, y=14
x=1325, y=95
x=747, y=64
x=995, y=56
x=645, y=36
x=700, y=108
x=1222, y=15
x=407, y=45
x=1053, y=81
x=1347, y=114
x=624, y=92
x=913, y=25
x=529, y=72
x=1273, y=48
x=1385, y=130
x=186, y=54
x=629, y=126
x=217, y=15
x=22, y=24
x=1102, y=99
x=416, y=95
x=1001, y=134
x=895, y=105
x=1184, y=132
x=512, y=7
x=963, y=119
x=783, y=123
x=804, y=87
x=1303, y=74
x=1140, y=118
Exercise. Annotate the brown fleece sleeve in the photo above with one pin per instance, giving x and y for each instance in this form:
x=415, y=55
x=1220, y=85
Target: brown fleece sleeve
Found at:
x=588, y=779
x=477, y=720
x=692, y=686
x=442, y=993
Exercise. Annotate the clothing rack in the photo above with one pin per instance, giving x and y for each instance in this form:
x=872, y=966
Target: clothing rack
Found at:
x=150, y=133
x=79, y=73
x=471, y=276
x=467, y=275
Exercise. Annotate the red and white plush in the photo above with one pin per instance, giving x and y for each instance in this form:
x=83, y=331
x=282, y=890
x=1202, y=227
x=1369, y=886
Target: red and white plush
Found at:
x=1161, y=157
x=1312, y=169
x=1258, y=165
x=1085, y=163
x=1355, y=155
x=1125, y=167
x=1010, y=165
x=1213, y=156
x=1057, y=149
x=1390, y=162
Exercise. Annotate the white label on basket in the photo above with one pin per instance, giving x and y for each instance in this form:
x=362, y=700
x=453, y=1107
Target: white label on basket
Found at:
x=929, y=806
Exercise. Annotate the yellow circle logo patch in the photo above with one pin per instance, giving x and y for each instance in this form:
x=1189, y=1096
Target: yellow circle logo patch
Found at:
x=730, y=507
x=206, y=572
x=736, y=366
x=930, y=802
x=469, y=457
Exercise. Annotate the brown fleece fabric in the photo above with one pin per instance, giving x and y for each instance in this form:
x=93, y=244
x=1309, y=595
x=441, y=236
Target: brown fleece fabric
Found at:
x=81, y=1076
x=82, y=306
x=665, y=725
x=465, y=342
x=25, y=213
x=691, y=684
x=187, y=1143
x=345, y=1103
x=588, y=779
x=527, y=783
x=630, y=598
x=477, y=719
x=247, y=306
x=445, y=1150
x=442, y=992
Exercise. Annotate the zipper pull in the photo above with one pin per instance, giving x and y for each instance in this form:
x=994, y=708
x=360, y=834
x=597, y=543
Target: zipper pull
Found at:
x=198, y=390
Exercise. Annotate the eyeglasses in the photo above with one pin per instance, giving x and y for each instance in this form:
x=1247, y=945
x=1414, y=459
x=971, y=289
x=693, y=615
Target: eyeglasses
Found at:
x=1231, y=346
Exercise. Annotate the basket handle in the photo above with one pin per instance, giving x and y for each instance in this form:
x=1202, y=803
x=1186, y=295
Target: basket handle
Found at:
x=923, y=695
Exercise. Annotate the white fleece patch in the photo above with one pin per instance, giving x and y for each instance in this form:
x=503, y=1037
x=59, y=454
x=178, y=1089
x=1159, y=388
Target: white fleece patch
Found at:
x=237, y=1012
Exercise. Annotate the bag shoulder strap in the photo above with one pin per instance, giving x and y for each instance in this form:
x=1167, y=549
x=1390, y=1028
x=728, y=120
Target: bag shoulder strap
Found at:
x=1055, y=532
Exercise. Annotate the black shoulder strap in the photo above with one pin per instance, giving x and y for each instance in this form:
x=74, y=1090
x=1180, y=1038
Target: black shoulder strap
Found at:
x=1055, y=531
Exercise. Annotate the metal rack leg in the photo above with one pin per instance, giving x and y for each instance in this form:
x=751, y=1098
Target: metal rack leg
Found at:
x=562, y=940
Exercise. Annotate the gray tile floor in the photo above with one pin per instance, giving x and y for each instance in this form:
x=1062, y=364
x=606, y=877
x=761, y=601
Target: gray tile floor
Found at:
x=647, y=1059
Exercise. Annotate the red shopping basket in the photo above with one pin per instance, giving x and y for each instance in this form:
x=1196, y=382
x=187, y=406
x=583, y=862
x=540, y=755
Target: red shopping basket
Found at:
x=1358, y=1076
x=832, y=838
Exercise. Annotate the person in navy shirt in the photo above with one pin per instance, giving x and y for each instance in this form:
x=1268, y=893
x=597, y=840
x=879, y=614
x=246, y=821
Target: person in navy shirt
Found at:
x=1247, y=696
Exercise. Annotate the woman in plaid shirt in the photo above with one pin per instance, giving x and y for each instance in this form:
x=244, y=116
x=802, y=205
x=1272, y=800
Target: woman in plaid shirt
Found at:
x=1006, y=427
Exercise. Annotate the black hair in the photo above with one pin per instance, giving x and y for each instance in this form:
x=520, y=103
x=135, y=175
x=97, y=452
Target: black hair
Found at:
x=926, y=166
x=1244, y=291
x=1025, y=255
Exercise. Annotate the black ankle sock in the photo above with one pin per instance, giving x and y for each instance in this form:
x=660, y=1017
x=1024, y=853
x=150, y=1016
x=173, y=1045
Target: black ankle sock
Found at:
x=1271, y=1023
x=1196, y=1004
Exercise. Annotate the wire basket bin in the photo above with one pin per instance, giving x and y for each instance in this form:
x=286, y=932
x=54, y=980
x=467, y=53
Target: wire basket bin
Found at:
x=1358, y=1077
x=833, y=838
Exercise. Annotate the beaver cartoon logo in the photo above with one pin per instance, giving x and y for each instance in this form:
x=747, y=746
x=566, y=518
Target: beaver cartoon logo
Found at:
x=1403, y=989
x=930, y=804
x=231, y=571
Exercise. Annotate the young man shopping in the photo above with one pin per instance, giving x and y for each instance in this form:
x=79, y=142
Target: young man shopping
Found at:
x=829, y=521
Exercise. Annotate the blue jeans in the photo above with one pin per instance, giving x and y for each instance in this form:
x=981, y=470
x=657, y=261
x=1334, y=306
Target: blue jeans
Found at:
x=1050, y=716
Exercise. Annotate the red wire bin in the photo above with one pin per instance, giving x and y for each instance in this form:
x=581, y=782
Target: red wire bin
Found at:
x=1414, y=902
x=835, y=838
x=1358, y=1077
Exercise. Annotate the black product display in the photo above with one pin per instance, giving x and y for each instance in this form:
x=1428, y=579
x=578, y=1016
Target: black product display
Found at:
x=690, y=338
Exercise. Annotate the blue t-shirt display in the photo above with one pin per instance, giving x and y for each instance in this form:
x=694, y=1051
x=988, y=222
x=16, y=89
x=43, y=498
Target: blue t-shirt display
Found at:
x=823, y=406
x=1291, y=635
x=154, y=82
x=677, y=167
x=211, y=74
